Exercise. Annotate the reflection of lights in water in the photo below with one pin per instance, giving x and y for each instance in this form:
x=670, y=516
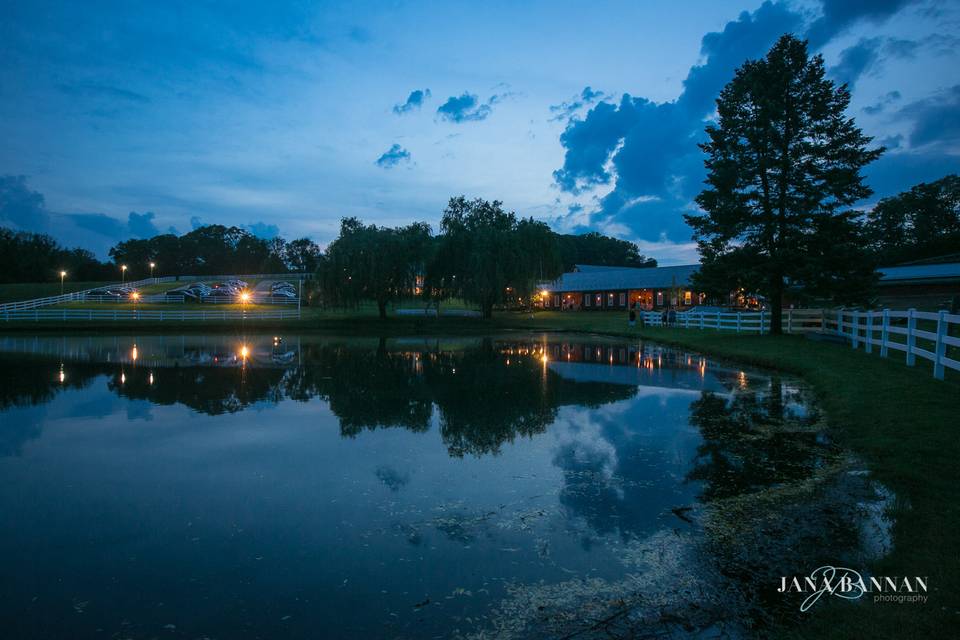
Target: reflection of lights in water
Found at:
x=508, y=362
x=123, y=378
x=244, y=351
x=742, y=379
x=151, y=377
x=544, y=358
x=63, y=375
x=134, y=354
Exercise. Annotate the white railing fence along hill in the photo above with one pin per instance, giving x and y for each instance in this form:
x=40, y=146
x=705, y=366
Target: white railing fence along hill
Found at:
x=933, y=336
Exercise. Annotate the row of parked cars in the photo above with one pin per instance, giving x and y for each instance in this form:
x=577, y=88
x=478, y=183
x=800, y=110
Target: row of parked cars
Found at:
x=283, y=290
x=117, y=291
x=227, y=289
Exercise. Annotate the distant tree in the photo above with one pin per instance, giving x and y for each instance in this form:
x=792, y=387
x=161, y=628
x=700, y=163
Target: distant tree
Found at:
x=36, y=257
x=480, y=253
x=784, y=167
x=923, y=222
x=595, y=248
x=302, y=255
x=372, y=263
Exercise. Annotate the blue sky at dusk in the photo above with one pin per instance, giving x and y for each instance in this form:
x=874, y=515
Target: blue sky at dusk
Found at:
x=122, y=119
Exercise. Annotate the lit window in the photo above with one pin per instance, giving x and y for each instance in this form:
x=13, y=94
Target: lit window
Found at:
x=659, y=298
x=687, y=297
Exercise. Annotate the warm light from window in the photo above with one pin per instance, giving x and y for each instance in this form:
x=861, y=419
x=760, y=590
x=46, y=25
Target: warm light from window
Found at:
x=134, y=354
x=245, y=297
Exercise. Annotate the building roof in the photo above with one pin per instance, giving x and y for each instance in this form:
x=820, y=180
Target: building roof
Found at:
x=599, y=267
x=616, y=279
x=920, y=273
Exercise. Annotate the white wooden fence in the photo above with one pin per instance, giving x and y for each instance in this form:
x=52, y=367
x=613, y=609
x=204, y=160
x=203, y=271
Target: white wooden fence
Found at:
x=923, y=334
x=48, y=315
x=81, y=296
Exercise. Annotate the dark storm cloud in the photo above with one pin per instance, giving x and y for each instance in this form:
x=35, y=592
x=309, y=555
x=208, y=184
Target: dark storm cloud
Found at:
x=838, y=15
x=392, y=157
x=23, y=209
x=936, y=120
x=880, y=105
x=414, y=101
x=650, y=146
x=856, y=60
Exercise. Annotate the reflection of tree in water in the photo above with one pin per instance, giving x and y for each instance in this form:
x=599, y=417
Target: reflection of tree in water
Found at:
x=752, y=441
x=27, y=382
x=482, y=401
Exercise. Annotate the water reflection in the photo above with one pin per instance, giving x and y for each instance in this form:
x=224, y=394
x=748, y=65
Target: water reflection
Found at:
x=271, y=486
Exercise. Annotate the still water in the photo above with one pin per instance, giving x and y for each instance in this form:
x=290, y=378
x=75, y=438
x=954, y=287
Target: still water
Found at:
x=506, y=487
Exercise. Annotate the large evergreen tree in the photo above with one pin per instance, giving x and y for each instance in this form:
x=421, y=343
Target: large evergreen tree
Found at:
x=784, y=167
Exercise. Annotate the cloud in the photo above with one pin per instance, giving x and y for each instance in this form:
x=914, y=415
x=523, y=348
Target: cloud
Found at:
x=856, y=60
x=839, y=15
x=936, y=120
x=414, y=101
x=468, y=107
x=648, y=150
x=885, y=101
x=392, y=157
x=141, y=224
x=20, y=207
x=23, y=209
x=263, y=230
x=565, y=110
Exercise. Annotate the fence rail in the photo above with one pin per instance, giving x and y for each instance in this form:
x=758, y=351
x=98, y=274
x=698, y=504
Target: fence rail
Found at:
x=887, y=330
x=81, y=296
x=41, y=315
x=177, y=298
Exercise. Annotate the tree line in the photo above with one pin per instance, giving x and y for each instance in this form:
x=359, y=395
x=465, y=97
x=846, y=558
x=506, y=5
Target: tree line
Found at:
x=483, y=254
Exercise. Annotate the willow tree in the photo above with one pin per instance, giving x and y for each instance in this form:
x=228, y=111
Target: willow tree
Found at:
x=784, y=168
x=367, y=262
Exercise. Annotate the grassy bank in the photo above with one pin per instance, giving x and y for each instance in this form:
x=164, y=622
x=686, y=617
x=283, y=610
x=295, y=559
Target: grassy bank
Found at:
x=29, y=290
x=900, y=420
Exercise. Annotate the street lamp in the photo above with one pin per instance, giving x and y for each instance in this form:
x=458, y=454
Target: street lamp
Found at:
x=63, y=274
x=123, y=273
x=152, y=265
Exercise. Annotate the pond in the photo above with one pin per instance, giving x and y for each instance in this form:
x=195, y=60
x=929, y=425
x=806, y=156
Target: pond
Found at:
x=516, y=486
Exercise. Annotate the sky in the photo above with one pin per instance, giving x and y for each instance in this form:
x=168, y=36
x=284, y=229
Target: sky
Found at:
x=125, y=119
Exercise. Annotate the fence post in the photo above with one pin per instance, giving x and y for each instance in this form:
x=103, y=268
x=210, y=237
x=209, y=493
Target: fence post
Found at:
x=762, y=312
x=911, y=338
x=941, y=349
x=840, y=322
x=701, y=320
x=885, y=333
x=855, y=329
x=789, y=320
x=869, y=332
x=739, y=318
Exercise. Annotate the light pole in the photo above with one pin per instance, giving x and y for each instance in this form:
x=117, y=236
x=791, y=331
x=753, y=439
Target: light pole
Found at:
x=152, y=265
x=123, y=274
x=63, y=274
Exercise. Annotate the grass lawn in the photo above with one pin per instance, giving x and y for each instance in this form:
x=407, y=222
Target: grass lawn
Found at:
x=901, y=421
x=29, y=290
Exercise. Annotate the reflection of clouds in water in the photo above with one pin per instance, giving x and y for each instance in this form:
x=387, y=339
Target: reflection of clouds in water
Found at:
x=392, y=478
x=580, y=442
